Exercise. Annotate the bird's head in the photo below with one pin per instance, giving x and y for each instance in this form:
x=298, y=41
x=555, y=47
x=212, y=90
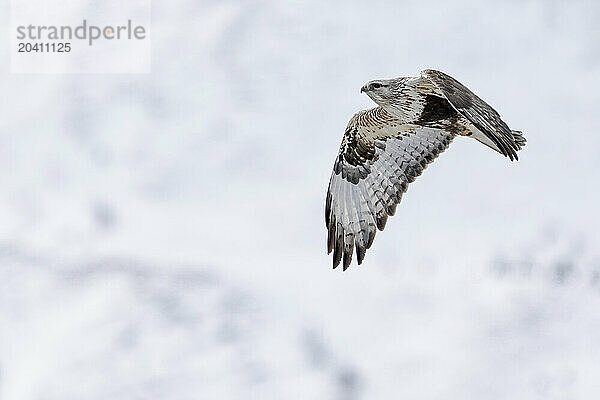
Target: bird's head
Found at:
x=383, y=91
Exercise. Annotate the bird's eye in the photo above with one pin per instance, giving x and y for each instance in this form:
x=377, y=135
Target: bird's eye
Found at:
x=375, y=85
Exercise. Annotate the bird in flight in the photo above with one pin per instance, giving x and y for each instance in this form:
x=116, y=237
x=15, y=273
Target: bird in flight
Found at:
x=385, y=148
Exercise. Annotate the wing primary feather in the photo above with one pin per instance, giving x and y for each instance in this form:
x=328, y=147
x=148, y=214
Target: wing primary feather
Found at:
x=330, y=237
x=348, y=250
x=360, y=254
x=338, y=245
x=328, y=204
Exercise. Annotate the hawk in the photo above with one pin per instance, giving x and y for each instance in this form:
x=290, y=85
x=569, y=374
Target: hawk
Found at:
x=385, y=148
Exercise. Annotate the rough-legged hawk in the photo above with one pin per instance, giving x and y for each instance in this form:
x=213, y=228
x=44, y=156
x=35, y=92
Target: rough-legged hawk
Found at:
x=385, y=148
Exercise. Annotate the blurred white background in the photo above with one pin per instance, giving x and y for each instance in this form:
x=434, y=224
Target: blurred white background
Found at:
x=162, y=235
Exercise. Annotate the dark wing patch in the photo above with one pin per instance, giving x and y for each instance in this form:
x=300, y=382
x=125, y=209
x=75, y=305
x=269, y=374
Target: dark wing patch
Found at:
x=478, y=112
x=436, y=108
x=371, y=173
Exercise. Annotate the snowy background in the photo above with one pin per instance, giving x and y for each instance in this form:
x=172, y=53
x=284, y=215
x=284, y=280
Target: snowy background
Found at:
x=162, y=235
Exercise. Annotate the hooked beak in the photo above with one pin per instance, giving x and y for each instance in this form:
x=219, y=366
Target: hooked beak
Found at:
x=363, y=89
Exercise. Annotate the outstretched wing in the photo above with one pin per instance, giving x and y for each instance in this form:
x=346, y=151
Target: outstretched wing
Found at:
x=479, y=113
x=377, y=160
